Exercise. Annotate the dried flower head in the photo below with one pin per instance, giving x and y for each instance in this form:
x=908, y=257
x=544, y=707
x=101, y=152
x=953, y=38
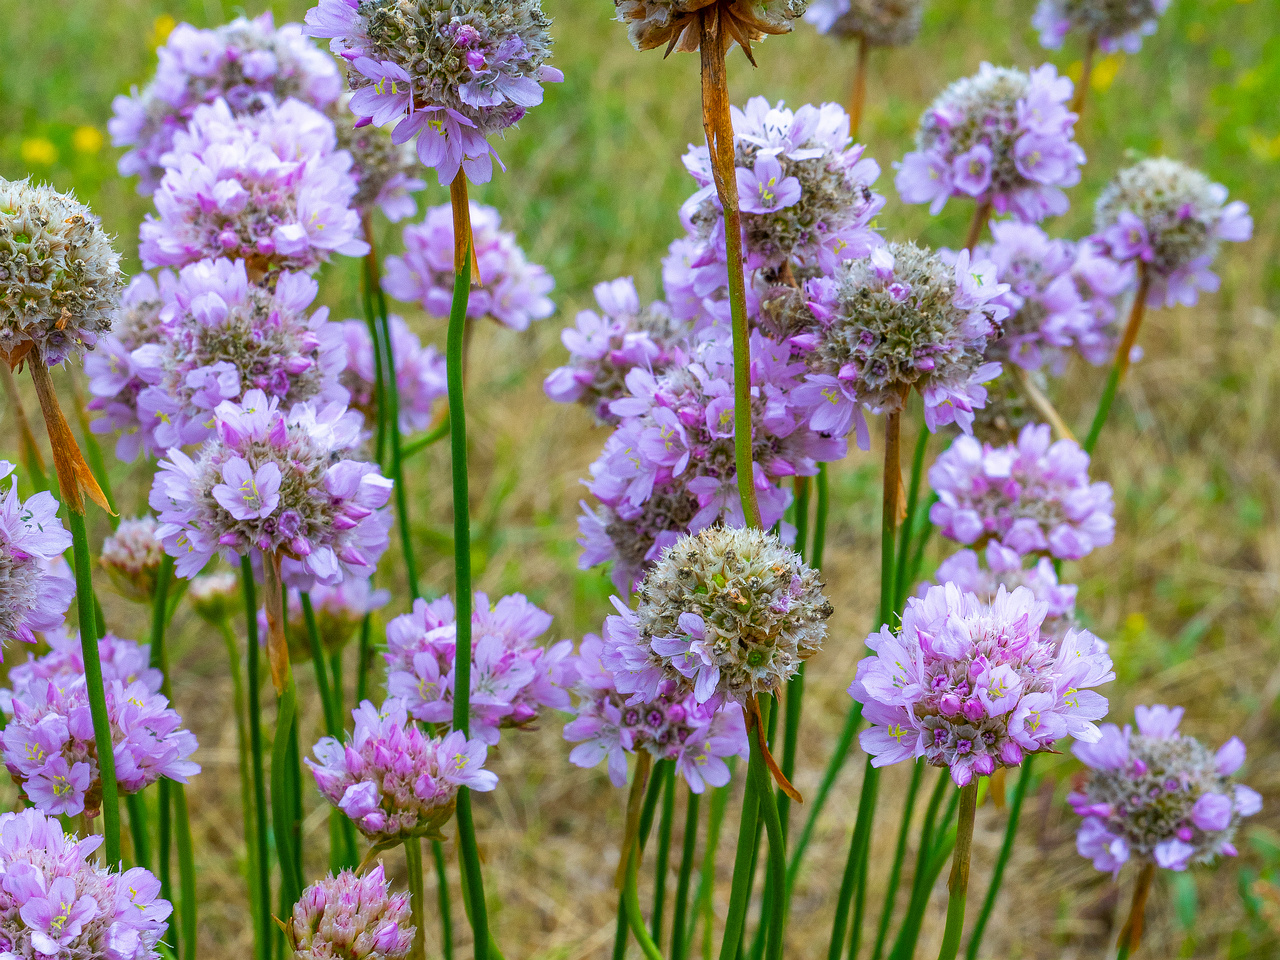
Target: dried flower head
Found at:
x=899, y=320
x=59, y=274
x=727, y=613
x=880, y=23
x=216, y=596
x=1172, y=219
x=420, y=373
x=1002, y=137
x=453, y=75
x=271, y=484
x=270, y=188
x=972, y=686
x=676, y=24
x=1112, y=24
x=1157, y=796
x=350, y=917
x=57, y=902
x=131, y=555
x=394, y=781
x=36, y=586
x=512, y=291
x=384, y=169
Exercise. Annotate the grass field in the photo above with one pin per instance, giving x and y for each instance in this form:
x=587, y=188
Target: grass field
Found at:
x=1188, y=595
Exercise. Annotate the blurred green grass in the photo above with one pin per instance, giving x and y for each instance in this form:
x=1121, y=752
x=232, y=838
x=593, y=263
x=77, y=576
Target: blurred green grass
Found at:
x=1187, y=595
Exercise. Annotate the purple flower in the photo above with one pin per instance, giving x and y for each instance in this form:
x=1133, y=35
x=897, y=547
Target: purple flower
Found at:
x=420, y=373
x=351, y=917
x=248, y=494
x=1113, y=26
x=765, y=189
x=36, y=587
x=878, y=23
x=973, y=686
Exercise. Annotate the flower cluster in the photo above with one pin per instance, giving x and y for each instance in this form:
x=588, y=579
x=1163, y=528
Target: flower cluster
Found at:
x=512, y=678
x=1171, y=219
x=804, y=190
x=274, y=484
x=897, y=320
x=121, y=660
x=512, y=290
x=1006, y=569
x=1112, y=24
x=698, y=737
x=216, y=596
x=451, y=76
x=350, y=917
x=244, y=62
x=56, y=902
x=394, y=781
x=383, y=169
x=675, y=24
x=604, y=347
x=669, y=468
x=879, y=23
x=49, y=746
x=59, y=275
x=131, y=556
x=35, y=585
x=1002, y=137
x=222, y=336
x=1158, y=796
x=420, y=373
x=1033, y=496
x=270, y=188
x=725, y=614
x=972, y=686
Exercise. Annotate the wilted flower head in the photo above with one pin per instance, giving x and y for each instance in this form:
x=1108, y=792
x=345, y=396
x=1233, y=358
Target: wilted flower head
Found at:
x=420, y=373
x=394, y=781
x=59, y=275
x=972, y=686
x=242, y=62
x=1112, y=24
x=1002, y=137
x=1160, y=797
x=672, y=726
x=350, y=917
x=675, y=24
x=57, y=902
x=512, y=290
x=451, y=76
x=1172, y=219
x=1033, y=496
x=223, y=336
x=804, y=187
x=131, y=555
x=384, y=169
x=270, y=188
x=272, y=484
x=605, y=347
x=881, y=23
x=36, y=587
x=669, y=469
x=512, y=677
x=726, y=614
x=901, y=319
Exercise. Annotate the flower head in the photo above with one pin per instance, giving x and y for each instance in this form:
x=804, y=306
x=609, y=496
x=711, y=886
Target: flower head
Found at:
x=1172, y=219
x=270, y=188
x=1112, y=24
x=59, y=275
x=1002, y=137
x=972, y=686
x=393, y=780
x=122, y=660
x=131, y=556
x=420, y=373
x=675, y=24
x=271, y=484
x=881, y=23
x=216, y=596
x=450, y=76
x=245, y=62
x=727, y=614
x=57, y=902
x=1006, y=569
x=1157, y=796
x=512, y=291
x=512, y=677
x=36, y=587
x=1034, y=497
x=350, y=917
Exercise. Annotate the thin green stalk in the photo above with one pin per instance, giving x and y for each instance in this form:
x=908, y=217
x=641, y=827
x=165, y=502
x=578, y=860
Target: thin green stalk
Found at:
x=430, y=438
x=139, y=829
x=282, y=805
x=631, y=905
x=679, y=945
x=365, y=656
x=1120, y=365
x=370, y=287
x=470, y=854
x=904, y=947
x=650, y=778
x=1006, y=849
x=777, y=866
x=704, y=899
x=741, y=889
x=82, y=564
x=1131, y=935
x=417, y=897
x=899, y=854
x=768, y=894
x=262, y=864
x=442, y=900
x=958, y=886
x=820, y=519
x=665, y=824
x=186, y=872
x=902, y=574
x=927, y=829
x=795, y=686
x=332, y=721
x=917, y=553
x=858, y=844
x=164, y=840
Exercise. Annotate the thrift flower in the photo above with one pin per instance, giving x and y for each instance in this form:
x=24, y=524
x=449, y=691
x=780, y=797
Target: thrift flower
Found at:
x=36, y=586
x=132, y=556
x=880, y=23
x=349, y=917
x=121, y=659
x=1113, y=26
x=215, y=597
x=339, y=612
x=420, y=373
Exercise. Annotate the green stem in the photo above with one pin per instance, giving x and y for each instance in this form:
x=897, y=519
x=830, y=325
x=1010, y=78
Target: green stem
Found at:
x=282, y=804
x=704, y=899
x=1006, y=849
x=365, y=653
x=139, y=829
x=186, y=872
x=646, y=788
x=795, y=686
x=631, y=906
x=371, y=287
x=332, y=721
x=662, y=864
x=740, y=892
x=442, y=899
x=82, y=563
x=1131, y=935
x=431, y=437
x=902, y=573
x=1120, y=365
x=775, y=884
x=262, y=864
x=164, y=840
x=958, y=886
x=820, y=519
x=854, y=864
x=899, y=854
x=679, y=945
x=417, y=897
x=927, y=831
x=904, y=947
